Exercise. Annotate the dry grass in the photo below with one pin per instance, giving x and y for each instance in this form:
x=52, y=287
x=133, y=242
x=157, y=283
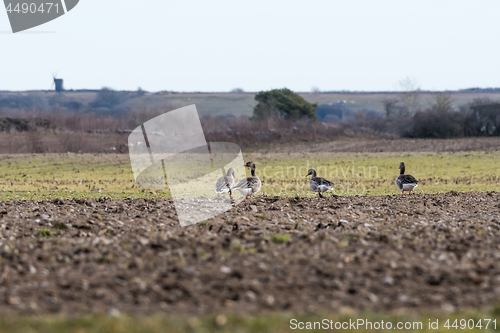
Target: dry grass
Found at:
x=250, y=134
x=46, y=141
x=378, y=145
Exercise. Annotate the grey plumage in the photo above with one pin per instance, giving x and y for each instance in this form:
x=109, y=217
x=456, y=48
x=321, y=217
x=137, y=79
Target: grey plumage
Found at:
x=250, y=185
x=318, y=184
x=405, y=182
x=225, y=184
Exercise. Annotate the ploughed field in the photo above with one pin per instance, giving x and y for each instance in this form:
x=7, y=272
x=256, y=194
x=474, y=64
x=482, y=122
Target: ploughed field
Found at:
x=415, y=254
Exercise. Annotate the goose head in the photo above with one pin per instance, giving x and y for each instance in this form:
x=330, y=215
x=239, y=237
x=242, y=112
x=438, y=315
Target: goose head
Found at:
x=231, y=173
x=402, y=168
x=311, y=172
x=250, y=165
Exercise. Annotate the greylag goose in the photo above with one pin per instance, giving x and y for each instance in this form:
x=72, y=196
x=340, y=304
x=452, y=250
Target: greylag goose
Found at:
x=225, y=184
x=318, y=184
x=405, y=182
x=248, y=186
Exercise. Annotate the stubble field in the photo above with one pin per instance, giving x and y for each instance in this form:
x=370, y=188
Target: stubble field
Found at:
x=40, y=176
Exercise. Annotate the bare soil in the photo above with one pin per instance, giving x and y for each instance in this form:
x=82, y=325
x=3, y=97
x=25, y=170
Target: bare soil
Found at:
x=421, y=253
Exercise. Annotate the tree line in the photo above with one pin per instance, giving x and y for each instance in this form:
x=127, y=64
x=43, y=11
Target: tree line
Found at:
x=403, y=116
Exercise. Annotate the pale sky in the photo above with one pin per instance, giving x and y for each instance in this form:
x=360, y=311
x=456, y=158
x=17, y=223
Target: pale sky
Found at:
x=217, y=45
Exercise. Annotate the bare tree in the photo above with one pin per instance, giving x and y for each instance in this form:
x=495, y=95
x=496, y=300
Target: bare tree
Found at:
x=410, y=96
x=391, y=107
x=442, y=102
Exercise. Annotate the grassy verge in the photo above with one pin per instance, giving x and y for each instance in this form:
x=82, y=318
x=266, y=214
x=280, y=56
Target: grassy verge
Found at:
x=109, y=175
x=275, y=323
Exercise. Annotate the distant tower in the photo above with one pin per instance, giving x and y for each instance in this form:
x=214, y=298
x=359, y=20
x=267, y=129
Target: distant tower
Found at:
x=59, y=84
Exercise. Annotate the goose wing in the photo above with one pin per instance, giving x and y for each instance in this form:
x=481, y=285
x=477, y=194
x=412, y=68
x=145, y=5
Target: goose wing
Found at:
x=407, y=179
x=248, y=182
x=223, y=184
x=319, y=181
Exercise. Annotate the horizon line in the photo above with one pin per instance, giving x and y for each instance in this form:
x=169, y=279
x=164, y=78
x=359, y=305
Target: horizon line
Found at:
x=472, y=89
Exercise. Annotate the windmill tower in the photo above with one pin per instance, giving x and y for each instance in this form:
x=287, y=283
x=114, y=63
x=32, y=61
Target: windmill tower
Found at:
x=58, y=83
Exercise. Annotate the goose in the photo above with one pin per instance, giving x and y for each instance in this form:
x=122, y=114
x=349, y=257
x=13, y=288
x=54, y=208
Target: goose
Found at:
x=405, y=182
x=225, y=184
x=318, y=184
x=248, y=186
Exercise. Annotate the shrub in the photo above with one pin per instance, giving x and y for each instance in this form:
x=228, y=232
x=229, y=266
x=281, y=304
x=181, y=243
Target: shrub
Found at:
x=106, y=98
x=282, y=104
x=248, y=133
x=72, y=141
x=481, y=117
x=368, y=121
x=435, y=123
x=34, y=142
x=21, y=102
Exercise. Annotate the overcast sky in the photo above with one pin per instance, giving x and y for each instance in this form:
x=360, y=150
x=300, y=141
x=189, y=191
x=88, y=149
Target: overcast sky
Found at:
x=200, y=45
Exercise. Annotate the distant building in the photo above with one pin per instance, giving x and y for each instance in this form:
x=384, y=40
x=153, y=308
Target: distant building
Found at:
x=59, y=84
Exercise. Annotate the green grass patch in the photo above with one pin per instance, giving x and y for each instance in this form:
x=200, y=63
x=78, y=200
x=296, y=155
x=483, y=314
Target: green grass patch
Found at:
x=45, y=233
x=60, y=226
x=52, y=176
x=376, y=173
x=280, y=239
x=264, y=323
